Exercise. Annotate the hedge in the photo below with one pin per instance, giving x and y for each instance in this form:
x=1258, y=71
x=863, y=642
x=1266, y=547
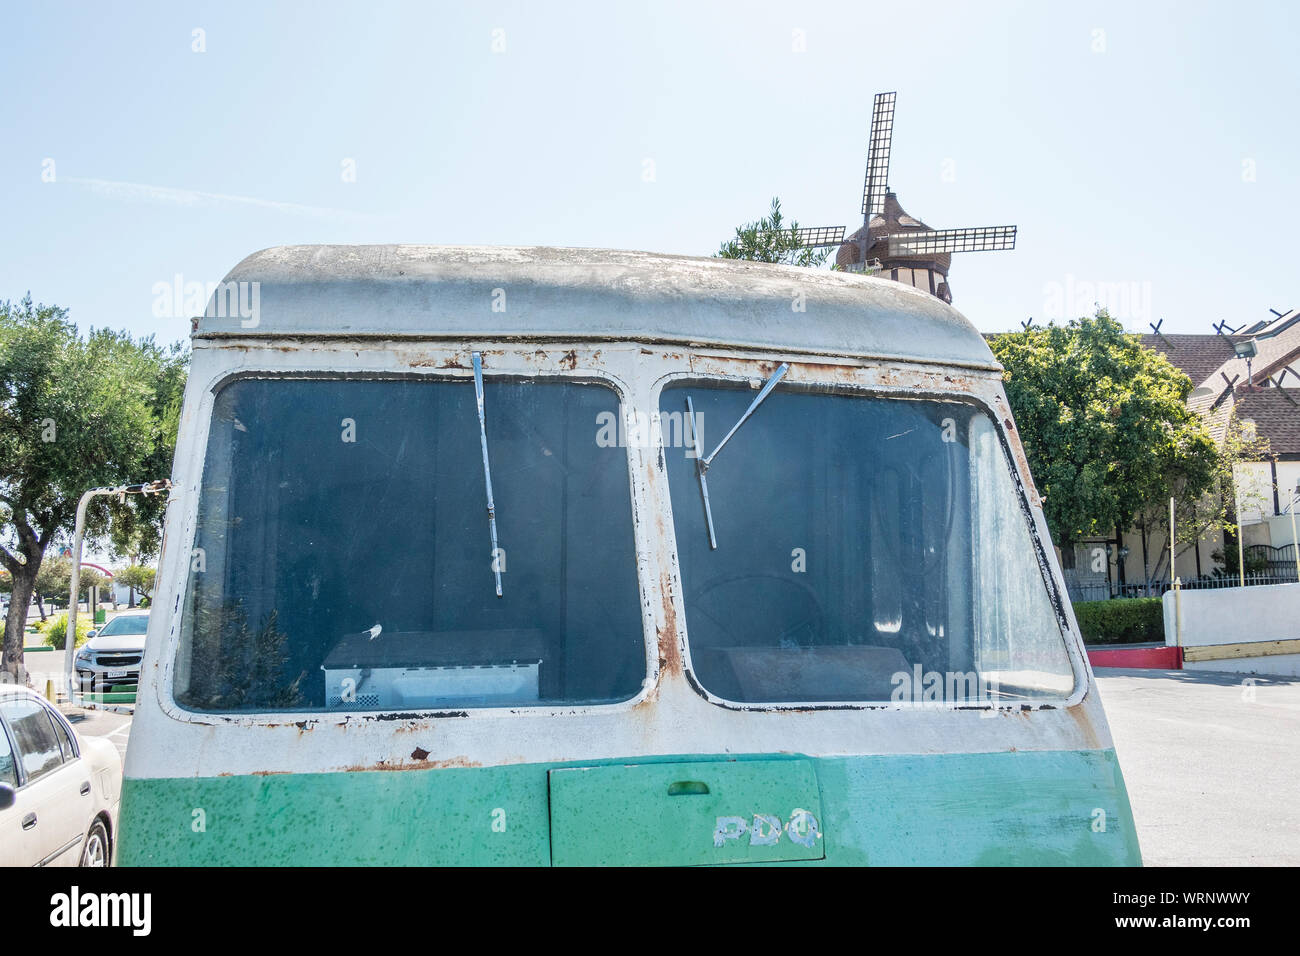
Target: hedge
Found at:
x=1122, y=621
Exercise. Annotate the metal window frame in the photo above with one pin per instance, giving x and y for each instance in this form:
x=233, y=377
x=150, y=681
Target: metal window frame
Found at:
x=166, y=691
x=1057, y=597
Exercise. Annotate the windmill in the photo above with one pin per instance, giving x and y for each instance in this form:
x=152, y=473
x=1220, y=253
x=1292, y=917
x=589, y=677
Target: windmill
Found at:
x=891, y=243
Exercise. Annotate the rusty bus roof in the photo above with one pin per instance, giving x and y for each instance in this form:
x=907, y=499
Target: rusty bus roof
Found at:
x=543, y=293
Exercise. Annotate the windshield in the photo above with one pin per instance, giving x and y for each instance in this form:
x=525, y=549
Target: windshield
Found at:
x=343, y=560
x=867, y=549
x=127, y=624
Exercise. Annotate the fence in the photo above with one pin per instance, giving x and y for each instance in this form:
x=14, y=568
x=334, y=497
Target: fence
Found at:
x=1280, y=560
x=1106, y=592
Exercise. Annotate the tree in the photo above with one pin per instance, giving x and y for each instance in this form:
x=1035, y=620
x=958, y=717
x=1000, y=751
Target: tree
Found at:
x=1105, y=425
x=138, y=578
x=53, y=582
x=1213, y=510
x=76, y=413
x=771, y=240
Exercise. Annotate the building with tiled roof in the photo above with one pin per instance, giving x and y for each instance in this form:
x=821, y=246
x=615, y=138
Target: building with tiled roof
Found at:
x=1265, y=399
x=1264, y=396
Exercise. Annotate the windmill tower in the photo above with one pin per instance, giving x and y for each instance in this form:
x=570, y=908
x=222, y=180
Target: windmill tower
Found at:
x=891, y=243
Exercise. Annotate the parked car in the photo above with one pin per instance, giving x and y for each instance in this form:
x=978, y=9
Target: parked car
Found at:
x=59, y=791
x=111, y=656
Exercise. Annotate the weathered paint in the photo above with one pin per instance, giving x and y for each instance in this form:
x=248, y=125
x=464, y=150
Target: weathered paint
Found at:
x=896, y=782
x=1046, y=808
x=684, y=814
x=449, y=292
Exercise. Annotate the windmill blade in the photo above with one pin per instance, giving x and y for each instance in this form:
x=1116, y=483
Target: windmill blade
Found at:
x=882, y=137
x=816, y=236
x=937, y=241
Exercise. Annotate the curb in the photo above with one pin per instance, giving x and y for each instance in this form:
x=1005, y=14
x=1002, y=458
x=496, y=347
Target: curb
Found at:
x=1154, y=658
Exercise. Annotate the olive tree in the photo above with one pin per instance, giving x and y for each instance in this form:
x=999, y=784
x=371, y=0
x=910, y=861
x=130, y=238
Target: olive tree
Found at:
x=76, y=413
x=771, y=239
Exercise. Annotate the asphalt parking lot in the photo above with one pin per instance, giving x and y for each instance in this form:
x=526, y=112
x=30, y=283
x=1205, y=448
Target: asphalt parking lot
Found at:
x=103, y=723
x=1212, y=764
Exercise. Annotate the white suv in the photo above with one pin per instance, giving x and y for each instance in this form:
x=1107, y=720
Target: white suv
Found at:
x=59, y=792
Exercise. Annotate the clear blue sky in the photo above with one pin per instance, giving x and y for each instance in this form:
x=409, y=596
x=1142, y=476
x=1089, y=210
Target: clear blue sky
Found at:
x=1123, y=155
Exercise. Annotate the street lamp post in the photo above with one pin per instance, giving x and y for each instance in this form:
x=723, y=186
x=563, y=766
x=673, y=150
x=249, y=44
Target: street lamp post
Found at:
x=70, y=644
x=1295, y=542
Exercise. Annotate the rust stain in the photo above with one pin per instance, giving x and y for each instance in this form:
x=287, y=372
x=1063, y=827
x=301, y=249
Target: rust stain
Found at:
x=415, y=765
x=1078, y=714
x=569, y=360
x=419, y=753
x=670, y=657
x=1022, y=462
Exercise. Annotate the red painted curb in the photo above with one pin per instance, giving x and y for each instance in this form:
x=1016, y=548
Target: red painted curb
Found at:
x=1160, y=658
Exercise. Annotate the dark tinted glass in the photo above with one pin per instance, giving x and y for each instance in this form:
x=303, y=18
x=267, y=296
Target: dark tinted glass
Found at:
x=865, y=553
x=65, y=741
x=344, y=560
x=34, y=737
x=127, y=624
x=8, y=767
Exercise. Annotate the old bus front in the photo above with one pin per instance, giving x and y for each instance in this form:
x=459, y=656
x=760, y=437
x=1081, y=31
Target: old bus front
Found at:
x=548, y=556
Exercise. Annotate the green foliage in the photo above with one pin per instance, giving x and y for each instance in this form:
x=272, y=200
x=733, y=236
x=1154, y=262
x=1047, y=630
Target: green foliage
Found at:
x=54, y=581
x=1121, y=621
x=1105, y=425
x=771, y=240
x=138, y=577
x=78, y=413
x=1256, y=563
x=54, y=630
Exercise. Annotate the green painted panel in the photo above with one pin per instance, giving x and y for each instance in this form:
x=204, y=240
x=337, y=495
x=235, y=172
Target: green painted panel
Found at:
x=1053, y=807
x=679, y=814
x=421, y=818
x=1046, y=808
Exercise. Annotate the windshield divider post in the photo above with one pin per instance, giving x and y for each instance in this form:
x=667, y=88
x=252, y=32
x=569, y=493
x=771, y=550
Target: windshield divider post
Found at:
x=699, y=472
x=487, y=468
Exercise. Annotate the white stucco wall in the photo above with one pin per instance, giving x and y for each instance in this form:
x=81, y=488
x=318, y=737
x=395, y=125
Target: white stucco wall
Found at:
x=1239, y=616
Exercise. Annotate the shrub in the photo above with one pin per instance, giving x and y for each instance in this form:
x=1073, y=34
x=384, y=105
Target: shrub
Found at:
x=54, y=629
x=1122, y=621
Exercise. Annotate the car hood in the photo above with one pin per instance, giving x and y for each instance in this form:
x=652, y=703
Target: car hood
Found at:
x=116, y=642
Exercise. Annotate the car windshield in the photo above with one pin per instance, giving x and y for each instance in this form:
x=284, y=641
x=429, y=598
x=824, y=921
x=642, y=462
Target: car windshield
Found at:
x=127, y=624
x=867, y=549
x=343, y=559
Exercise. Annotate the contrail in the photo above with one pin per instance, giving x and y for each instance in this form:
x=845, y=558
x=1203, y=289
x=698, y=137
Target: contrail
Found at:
x=143, y=192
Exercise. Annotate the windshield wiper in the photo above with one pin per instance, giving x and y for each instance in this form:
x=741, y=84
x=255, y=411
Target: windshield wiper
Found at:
x=702, y=464
x=487, y=469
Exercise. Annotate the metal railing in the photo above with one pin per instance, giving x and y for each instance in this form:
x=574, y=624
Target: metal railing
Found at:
x=1138, y=589
x=1280, y=560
